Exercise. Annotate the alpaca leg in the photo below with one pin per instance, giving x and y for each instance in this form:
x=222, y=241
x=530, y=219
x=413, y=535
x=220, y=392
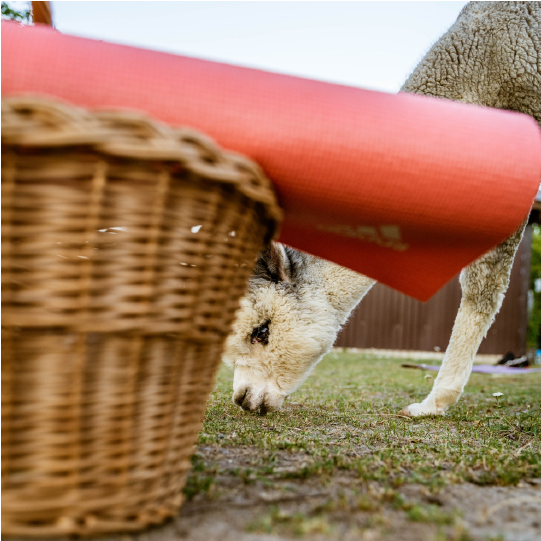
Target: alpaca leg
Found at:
x=484, y=283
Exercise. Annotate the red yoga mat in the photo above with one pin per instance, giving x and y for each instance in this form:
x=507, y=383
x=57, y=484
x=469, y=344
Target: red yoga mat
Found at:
x=405, y=189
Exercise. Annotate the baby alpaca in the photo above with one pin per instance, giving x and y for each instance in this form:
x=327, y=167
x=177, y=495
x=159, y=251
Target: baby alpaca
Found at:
x=296, y=303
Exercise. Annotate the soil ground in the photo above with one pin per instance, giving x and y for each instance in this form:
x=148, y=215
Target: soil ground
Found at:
x=341, y=508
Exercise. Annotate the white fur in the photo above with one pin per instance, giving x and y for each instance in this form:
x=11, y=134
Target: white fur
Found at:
x=306, y=312
x=490, y=57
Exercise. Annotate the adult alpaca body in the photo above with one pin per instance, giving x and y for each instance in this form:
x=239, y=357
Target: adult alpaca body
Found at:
x=296, y=303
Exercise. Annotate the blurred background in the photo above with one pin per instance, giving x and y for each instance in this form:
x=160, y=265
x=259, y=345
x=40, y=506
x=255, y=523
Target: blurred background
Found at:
x=373, y=45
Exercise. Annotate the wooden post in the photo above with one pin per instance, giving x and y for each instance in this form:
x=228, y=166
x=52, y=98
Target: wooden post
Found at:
x=41, y=13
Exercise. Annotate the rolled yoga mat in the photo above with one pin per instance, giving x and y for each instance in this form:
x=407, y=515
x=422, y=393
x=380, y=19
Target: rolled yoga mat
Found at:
x=403, y=188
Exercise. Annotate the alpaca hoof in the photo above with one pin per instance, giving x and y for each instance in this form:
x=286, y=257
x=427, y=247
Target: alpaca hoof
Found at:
x=405, y=412
x=420, y=410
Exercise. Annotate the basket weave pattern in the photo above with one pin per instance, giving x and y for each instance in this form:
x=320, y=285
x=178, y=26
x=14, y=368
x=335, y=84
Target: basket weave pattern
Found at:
x=126, y=246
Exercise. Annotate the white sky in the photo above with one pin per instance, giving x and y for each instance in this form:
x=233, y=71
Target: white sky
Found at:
x=373, y=45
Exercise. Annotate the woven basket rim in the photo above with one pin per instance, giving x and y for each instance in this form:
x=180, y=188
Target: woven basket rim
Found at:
x=135, y=135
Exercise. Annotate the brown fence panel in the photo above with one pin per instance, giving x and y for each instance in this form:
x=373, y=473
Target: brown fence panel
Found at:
x=387, y=319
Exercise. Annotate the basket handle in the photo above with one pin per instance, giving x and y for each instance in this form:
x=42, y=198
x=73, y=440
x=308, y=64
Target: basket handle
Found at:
x=41, y=13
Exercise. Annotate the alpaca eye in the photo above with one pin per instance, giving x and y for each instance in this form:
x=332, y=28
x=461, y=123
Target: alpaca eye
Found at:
x=261, y=334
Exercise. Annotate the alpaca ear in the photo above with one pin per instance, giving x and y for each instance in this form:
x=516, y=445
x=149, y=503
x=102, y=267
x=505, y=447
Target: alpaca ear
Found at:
x=273, y=264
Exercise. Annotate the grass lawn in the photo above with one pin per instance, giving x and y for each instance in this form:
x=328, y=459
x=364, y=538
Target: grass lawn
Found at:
x=339, y=443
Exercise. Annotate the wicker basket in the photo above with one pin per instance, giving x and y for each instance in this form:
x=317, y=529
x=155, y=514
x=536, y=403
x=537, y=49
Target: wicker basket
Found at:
x=125, y=249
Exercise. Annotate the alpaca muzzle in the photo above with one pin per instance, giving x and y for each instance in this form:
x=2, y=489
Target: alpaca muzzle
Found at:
x=261, y=401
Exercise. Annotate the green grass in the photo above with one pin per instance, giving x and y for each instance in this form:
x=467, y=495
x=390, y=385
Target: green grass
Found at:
x=429, y=513
x=344, y=419
x=279, y=522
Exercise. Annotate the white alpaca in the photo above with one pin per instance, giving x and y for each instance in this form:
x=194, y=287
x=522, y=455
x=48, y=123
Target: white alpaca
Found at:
x=296, y=303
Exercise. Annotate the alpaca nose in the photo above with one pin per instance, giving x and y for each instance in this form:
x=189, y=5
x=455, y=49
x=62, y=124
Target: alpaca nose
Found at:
x=262, y=402
x=241, y=398
x=248, y=402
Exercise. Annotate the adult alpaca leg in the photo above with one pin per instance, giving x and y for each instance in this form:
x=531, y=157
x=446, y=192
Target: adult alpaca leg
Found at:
x=484, y=283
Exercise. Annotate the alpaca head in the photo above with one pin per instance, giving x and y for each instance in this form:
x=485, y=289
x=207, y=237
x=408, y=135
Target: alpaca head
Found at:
x=283, y=328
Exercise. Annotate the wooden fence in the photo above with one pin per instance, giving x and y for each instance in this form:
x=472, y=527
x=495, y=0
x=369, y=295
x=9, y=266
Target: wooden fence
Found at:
x=387, y=319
